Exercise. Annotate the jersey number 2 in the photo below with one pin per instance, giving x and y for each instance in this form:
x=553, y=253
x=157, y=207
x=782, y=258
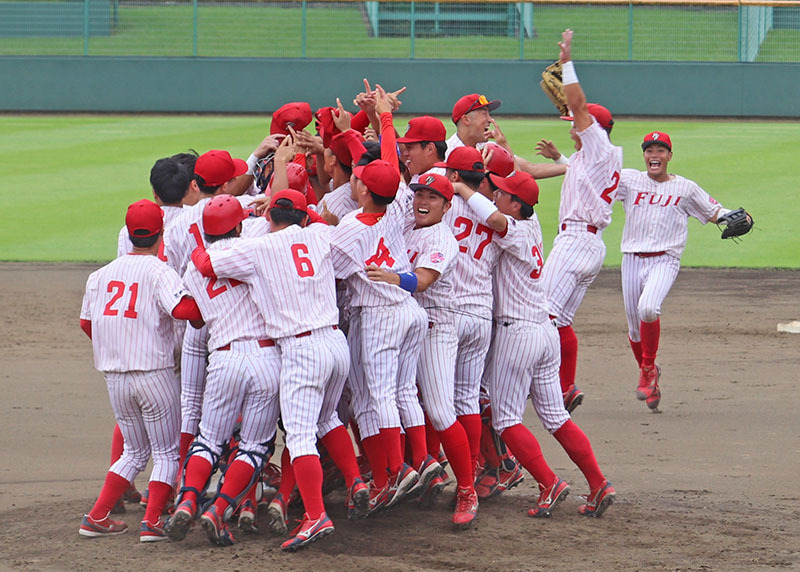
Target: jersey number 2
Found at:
x=467, y=230
x=606, y=194
x=118, y=288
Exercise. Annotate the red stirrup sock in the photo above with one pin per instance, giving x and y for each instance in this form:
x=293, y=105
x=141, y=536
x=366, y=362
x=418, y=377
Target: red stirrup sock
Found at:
x=113, y=488
x=340, y=448
x=117, y=445
x=456, y=447
x=287, y=475
x=158, y=494
x=308, y=473
x=376, y=455
x=637, y=351
x=569, y=357
x=472, y=427
x=651, y=331
x=198, y=471
x=237, y=477
x=415, y=437
x=526, y=449
x=577, y=446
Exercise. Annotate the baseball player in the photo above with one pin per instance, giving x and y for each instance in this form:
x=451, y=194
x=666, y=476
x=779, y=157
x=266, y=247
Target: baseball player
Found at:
x=291, y=273
x=524, y=358
x=657, y=205
x=585, y=210
x=243, y=371
x=213, y=172
x=423, y=146
x=433, y=251
x=128, y=312
x=471, y=114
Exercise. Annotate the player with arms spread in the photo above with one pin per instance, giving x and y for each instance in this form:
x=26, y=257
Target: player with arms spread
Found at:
x=585, y=210
x=657, y=210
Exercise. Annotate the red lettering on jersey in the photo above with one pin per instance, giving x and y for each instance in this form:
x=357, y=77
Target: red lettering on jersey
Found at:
x=161, y=256
x=381, y=256
x=538, y=262
x=302, y=263
x=194, y=230
x=655, y=199
x=481, y=229
x=119, y=288
x=606, y=194
x=467, y=230
x=677, y=201
x=213, y=292
x=412, y=256
x=639, y=197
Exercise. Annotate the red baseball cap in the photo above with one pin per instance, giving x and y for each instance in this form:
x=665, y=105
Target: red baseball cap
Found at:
x=380, y=177
x=339, y=147
x=425, y=128
x=521, y=185
x=218, y=167
x=297, y=114
x=144, y=218
x=463, y=159
x=600, y=113
x=295, y=197
x=327, y=128
x=221, y=215
x=657, y=138
x=472, y=102
x=436, y=183
x=501, y=162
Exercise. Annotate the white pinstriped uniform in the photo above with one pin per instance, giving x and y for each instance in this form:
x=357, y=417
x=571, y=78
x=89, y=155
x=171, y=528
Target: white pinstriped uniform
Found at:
x=129, y=302
x=453, y=142
x=243, y=378
x=656, y=220
x=586, y=196
x=435, y=248
x=525, y=354
x=391, y=324
x=293, y=283
x=472, y=290
x=339, y=201
x=181, y=237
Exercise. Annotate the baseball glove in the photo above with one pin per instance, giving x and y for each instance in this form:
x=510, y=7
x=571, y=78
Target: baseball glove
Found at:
x=553, y=87
x=736, y=223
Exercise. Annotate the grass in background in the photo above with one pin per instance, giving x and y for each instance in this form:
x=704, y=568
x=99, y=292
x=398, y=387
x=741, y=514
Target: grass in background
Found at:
x=659, y=33
x=66, y=180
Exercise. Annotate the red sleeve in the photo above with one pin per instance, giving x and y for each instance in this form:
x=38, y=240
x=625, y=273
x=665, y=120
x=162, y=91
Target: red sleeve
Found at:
x=314, y=217
x=354, y=145
x=86, y=326
x=202, y=262
x=360, y=121
x=187, y=309
x=389, y=141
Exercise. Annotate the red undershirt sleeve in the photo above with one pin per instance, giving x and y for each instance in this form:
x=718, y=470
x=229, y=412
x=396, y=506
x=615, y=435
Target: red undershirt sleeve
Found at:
x=360, y=121
x=187, y=309
x=86, y=326
x=202, y=261
x=389, y=141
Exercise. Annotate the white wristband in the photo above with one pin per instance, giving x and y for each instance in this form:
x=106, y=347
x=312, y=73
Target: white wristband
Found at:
x=482, y=206
x=251, y=163
x=568, y=75
x=723, y=212
x=562, y=160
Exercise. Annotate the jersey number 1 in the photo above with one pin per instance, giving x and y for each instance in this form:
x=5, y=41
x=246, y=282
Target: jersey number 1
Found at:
x=119, y=289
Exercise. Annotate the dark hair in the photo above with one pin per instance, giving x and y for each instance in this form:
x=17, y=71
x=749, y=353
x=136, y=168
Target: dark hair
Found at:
x=144, y=241
x=170, y=180
x=187, y=159
x=372, y=153
x=525, y=210
x=201, y=184
x=441, y=148
x=285, y=213
x=380, y=199
x=348, y=169
x=473, y=179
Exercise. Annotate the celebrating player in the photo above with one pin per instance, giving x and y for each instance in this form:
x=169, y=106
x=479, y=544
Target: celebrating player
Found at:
x=657, y=209
x=585, y=210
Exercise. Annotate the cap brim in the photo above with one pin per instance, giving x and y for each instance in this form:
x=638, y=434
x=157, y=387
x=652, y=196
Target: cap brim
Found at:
x=358, y=170
x=409, y=140
x=241, y=167
x=442, y=165
x=418, y=186
x=501, y=183
x=493, y=105
x=567, y=118
x=647, y=144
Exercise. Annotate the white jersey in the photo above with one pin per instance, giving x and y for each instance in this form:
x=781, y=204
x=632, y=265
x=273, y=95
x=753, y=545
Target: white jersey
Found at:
x=129, y=302
x=432, y=171
x=339, y=201
x=477, y=255
x=591, y=179
x=518, y=292
x=657, y=214
x=226, y=304
x=362, y=239
x=291, y=274
x=124, y=244
x=434, y=247
x=452, y=143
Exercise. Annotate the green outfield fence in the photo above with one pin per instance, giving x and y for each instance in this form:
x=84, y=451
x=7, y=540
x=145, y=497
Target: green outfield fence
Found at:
x=609, y=30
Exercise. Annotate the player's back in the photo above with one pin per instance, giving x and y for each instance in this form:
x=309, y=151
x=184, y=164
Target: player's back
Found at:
x=226, y=304
x=183, y=235
x=129, y=302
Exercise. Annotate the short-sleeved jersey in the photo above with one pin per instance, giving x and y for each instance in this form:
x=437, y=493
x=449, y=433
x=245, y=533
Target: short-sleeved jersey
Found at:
x=434, y=247
x=453, y=142
x=129, y=302
x=226, y=304
x=432, y=171
x=591, y=179
x=657, y=214
x=362, y=239
x=291, y=274
x=339, y=201
x=124, y=244
x=518, y=292
x=477, y=255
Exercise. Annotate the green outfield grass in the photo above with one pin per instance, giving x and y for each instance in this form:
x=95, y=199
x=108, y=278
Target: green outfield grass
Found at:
x=66, y=180
x=659, y=33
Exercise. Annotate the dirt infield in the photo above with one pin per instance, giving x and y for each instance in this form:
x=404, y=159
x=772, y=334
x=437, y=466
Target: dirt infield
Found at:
x=707, y=484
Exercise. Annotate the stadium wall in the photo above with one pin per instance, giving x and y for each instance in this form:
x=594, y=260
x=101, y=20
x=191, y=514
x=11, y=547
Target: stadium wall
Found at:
x=130, y=84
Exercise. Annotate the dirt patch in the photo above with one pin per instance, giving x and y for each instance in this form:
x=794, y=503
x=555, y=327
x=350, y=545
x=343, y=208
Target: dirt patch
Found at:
x=707, y=484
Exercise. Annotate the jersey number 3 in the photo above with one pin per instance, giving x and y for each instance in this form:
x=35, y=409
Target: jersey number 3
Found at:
x=118, y=288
